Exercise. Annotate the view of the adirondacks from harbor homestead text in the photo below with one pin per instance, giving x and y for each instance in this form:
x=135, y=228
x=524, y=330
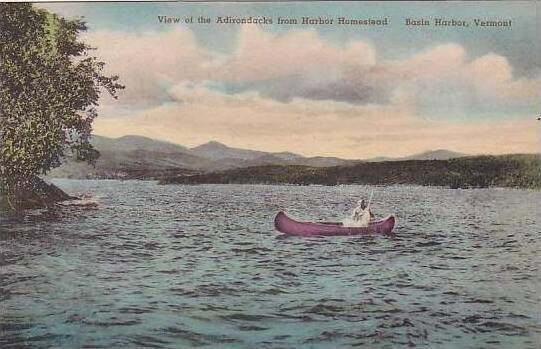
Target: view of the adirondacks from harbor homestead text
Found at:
x=276, y=174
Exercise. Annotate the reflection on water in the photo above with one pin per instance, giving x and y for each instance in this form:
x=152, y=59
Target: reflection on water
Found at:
x=184, y=266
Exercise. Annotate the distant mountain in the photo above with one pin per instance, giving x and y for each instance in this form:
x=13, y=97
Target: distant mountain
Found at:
x=380, y=159
x=143, y=157
x=440, y=154
x=218, y=151
x=134, y=157
x=131, y=143
x=285, y=155
x=215, y=151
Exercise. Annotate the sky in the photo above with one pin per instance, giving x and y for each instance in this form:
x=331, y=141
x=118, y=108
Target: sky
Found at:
x=346, y=91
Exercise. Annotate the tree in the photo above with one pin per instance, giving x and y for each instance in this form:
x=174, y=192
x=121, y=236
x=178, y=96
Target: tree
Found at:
x=49, y=90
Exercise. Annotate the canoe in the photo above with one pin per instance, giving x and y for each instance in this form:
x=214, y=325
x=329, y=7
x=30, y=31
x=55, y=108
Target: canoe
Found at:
x=289, y=226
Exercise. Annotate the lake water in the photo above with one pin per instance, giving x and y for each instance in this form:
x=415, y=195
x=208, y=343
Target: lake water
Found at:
x=202, y=266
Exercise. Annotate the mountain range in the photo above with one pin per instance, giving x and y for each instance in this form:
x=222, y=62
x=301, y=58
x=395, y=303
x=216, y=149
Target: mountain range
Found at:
x=142, y=157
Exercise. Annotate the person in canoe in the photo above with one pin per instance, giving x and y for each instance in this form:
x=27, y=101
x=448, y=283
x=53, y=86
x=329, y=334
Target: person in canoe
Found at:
x=362, y=215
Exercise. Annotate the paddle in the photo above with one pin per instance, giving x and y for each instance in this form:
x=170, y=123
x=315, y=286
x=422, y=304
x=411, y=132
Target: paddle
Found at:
x=370, y=200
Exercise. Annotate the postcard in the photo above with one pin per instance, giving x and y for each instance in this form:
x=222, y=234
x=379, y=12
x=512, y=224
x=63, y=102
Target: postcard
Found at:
x=303, y=174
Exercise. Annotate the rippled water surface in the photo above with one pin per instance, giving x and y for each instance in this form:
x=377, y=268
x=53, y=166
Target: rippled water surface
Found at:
x=202, y=266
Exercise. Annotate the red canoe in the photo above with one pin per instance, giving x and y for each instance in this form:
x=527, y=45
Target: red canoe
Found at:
x=288, y=226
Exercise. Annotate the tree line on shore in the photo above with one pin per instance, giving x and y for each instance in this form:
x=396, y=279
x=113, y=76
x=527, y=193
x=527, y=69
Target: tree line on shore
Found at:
x=515, y=171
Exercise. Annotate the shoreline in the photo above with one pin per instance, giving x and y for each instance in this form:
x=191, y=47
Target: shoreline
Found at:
x=157, y=182
x=520, y=171
x=509, y=171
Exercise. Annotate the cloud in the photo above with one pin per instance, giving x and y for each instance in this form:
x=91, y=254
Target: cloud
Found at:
x=148, y=64
x=263, y=56
x=440, y=80
x=492, y=75
x=458, y=86
x=302, y=64
x=314, y=127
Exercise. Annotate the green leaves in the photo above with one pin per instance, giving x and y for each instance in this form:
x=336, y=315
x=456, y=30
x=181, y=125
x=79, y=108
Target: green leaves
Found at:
x=49, y=88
